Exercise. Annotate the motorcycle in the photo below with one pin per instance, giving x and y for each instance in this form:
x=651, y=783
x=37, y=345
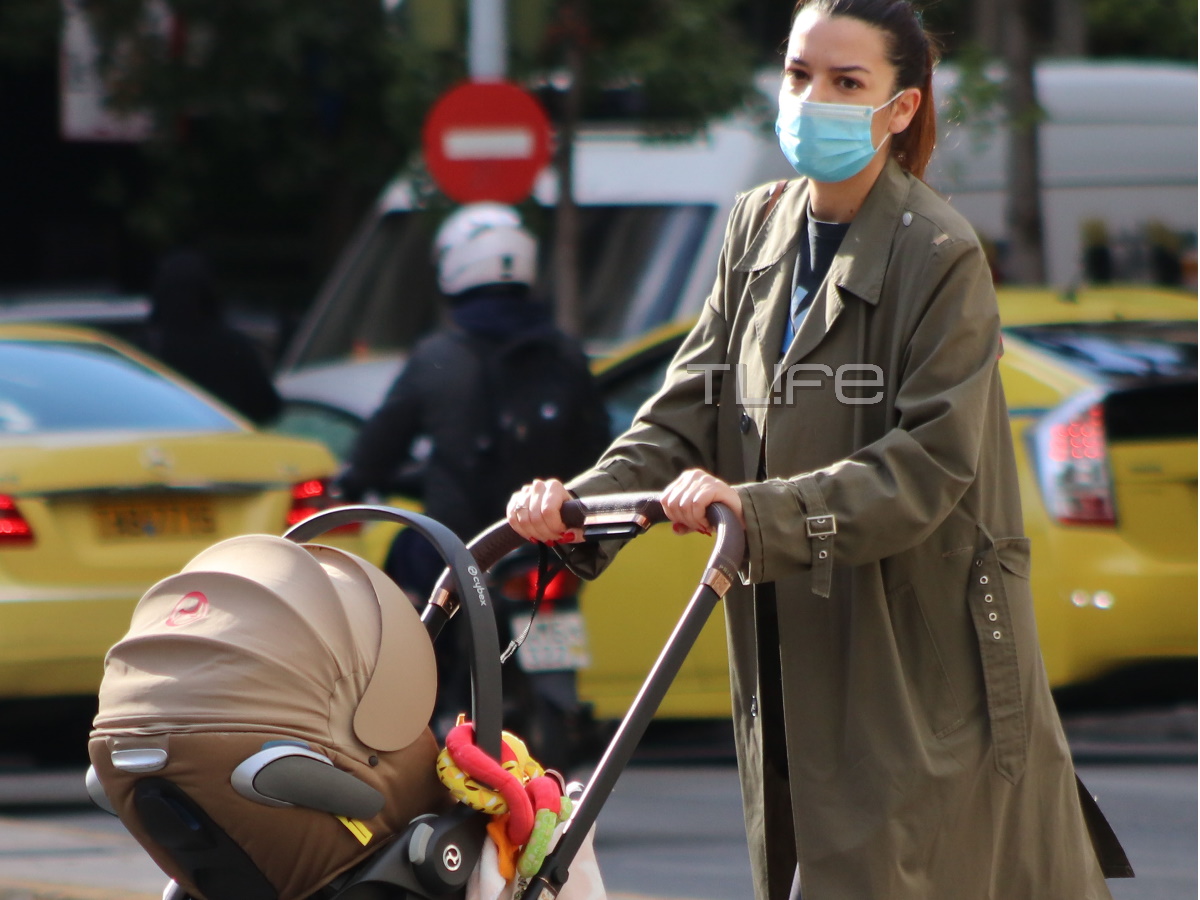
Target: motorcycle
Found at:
x=543, y=646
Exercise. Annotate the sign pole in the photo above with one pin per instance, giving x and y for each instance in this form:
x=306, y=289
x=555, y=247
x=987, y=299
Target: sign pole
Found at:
x=487, y=40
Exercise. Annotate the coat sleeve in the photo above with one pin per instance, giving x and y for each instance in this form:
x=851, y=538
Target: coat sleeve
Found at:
x=894, y=492
x=676, y=429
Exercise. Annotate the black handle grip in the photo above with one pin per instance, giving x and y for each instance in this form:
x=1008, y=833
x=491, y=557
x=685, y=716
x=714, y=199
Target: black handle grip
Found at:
x=630, y=514
x=644, y=510
x=631, y=508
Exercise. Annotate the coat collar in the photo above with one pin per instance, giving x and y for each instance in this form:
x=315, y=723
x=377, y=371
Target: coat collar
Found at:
x=858, y=267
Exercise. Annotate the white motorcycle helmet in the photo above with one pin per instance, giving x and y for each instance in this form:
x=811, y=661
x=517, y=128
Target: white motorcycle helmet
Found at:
x=484, y=243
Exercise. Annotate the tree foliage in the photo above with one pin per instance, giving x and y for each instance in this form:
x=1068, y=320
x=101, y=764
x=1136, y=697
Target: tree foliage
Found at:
x=680, y=62
x=275, y=107
x=264, y=107
x=1164, y=29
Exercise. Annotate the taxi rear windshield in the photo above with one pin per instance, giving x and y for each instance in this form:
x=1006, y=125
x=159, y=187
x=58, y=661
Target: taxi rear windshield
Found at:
x=1147, y=370
x=48, y=386
x=1119, y=350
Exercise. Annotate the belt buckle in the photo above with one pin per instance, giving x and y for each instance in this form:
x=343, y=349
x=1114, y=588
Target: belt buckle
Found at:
x=820, y=526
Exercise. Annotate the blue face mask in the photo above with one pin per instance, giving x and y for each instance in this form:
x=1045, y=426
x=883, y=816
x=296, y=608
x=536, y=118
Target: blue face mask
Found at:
x=827, y=141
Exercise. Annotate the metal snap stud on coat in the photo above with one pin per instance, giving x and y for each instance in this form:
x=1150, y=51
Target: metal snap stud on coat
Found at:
x=983, y=579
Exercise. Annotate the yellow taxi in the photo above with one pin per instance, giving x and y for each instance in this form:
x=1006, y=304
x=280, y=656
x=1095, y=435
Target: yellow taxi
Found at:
x=1101, y=388
x=114, y=472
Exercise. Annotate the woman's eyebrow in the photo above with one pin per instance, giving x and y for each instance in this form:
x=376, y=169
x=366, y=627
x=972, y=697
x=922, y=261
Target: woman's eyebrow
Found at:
x=797, y=61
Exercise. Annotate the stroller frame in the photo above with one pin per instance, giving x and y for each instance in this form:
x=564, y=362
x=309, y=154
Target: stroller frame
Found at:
x=433, y=858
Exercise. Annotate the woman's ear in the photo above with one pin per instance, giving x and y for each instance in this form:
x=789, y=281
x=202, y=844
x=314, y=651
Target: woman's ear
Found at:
x=904, y=109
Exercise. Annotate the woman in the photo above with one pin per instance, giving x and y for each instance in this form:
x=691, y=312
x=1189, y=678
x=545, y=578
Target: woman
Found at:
x=896, y=735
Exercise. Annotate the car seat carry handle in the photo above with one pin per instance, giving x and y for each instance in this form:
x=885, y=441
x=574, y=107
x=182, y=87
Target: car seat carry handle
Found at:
x=465, y=575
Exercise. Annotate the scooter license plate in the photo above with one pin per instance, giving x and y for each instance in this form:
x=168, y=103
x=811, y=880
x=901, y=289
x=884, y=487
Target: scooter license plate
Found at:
x=557, y=641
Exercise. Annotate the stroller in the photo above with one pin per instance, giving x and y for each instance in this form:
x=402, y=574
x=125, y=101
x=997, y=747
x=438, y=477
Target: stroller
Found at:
x=263, y=733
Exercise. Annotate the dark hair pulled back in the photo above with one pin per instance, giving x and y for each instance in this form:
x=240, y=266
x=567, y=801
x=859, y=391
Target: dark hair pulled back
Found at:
x=913, y=53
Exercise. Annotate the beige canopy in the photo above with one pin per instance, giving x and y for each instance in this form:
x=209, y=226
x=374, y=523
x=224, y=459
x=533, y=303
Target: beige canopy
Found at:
x=259, y=633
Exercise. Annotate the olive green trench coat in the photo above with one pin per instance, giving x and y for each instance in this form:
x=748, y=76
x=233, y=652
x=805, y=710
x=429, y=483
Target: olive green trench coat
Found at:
x=896, y=734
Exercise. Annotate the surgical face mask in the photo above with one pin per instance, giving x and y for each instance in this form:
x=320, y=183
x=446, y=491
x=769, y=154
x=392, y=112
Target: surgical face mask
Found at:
x=827, y=141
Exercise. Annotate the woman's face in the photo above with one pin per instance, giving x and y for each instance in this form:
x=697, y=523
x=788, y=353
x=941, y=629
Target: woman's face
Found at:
x=840, y=59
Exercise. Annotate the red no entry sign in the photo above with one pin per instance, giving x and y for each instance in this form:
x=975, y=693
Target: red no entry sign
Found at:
x=486, y=140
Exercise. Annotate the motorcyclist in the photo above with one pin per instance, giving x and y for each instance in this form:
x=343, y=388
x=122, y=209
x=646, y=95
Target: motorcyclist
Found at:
x=442, y=407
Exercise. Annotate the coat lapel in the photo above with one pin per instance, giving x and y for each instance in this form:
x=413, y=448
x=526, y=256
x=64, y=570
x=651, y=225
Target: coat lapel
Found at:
x=769, y=261
x=771, y=289
x=857, y=269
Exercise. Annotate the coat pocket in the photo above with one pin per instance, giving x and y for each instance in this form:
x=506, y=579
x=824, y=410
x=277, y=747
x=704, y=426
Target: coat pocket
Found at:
x=924, y=671
x=996, y=562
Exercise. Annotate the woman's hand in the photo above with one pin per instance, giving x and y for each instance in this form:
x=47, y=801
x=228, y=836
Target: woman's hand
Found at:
x=533, y=511
x=687, y=498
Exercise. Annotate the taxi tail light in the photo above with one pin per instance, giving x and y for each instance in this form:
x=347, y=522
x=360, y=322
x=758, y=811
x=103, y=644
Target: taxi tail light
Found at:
x=15, y=530
x=522, y=586
x=309, y=498
x=1071, y=452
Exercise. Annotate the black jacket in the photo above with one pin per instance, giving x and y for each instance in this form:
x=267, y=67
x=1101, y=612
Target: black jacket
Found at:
x=442, y=395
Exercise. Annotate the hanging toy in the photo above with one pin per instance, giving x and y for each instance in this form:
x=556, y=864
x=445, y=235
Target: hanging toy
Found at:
x=551, y=808
x=515, y=785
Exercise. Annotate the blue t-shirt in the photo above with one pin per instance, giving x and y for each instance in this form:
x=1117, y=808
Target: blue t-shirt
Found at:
x=812, y=265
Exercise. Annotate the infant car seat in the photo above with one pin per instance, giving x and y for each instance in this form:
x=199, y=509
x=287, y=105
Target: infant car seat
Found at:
x=262, y=727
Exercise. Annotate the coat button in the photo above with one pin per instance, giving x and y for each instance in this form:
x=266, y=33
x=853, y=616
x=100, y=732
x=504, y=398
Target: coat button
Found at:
x=745, y=422
x=906, y=218
x=753, y=706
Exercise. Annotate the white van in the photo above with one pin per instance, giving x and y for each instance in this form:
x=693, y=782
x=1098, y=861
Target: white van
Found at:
x=1119, y=143
x=1118, y=146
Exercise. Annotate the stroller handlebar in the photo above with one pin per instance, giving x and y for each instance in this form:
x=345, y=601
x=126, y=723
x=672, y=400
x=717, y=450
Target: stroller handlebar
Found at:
x=619, y=517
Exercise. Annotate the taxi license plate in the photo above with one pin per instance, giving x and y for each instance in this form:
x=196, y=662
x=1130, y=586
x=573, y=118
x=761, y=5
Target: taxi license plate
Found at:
x=557, y=641
x=155, y=518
